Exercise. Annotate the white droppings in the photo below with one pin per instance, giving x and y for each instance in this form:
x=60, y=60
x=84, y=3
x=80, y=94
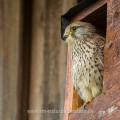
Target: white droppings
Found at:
x=101, y=113
x=112, y=109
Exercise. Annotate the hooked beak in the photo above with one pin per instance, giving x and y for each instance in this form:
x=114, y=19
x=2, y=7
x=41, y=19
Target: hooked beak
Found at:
x=65, y=37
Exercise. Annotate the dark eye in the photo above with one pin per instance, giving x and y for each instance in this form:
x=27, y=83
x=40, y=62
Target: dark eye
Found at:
x=73, y=28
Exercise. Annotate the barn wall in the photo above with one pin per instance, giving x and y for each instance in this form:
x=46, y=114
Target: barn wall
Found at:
x=48, y=58
x=10, y=52
x=32, y=58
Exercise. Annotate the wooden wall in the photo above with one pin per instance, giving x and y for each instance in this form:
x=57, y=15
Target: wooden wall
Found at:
x=10, y=59
x=32, y=58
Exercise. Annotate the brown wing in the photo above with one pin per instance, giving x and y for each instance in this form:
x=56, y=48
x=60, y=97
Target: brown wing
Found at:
x=100, y=43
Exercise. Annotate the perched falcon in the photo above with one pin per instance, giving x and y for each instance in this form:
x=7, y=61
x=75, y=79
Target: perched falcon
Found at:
x=87, y=49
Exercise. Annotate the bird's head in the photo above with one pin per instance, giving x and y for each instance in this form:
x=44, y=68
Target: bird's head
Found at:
x=78, y=31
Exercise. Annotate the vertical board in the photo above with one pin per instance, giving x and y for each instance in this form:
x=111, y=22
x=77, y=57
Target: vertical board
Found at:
x=48, y=65
x=112, y=48
x=10, y=69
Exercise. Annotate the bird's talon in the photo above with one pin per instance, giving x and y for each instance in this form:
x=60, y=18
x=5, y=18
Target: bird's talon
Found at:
x=86, y=102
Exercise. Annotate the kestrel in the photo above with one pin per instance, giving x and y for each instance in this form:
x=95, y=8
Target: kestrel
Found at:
x=87, y=52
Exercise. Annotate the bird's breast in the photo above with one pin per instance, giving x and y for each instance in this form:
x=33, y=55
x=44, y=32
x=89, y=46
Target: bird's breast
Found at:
x=81, y=55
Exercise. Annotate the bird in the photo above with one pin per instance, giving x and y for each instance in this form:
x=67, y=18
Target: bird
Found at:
x=87, y=59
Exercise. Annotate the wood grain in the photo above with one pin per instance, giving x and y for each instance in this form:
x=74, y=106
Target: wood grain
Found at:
x=37, y=59
x=69, y=87
x=90, y=9
x=31, y=51
x=72, y=99
x=10, y=60
x=48, y=64
x=104, y=107
x=112, y=48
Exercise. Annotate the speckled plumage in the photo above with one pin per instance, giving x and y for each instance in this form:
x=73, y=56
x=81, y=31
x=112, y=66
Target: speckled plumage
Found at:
x=87, y=58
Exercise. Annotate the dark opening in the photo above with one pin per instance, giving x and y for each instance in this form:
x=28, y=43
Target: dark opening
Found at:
x=98, y=19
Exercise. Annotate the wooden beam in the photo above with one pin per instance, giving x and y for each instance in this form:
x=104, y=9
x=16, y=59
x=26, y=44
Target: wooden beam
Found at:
x=112, y=49
x=72, y=100
x=90, y=9
x=68, y=89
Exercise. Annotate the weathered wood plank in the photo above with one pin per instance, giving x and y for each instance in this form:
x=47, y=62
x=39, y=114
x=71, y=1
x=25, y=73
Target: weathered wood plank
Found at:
x=112, y=48
x=90, y=9
x=37, y=59
x=105, y=106
x=48, y=56
x=10, y=71
x=48, y=65
x=69, y=88
x=72, y=100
